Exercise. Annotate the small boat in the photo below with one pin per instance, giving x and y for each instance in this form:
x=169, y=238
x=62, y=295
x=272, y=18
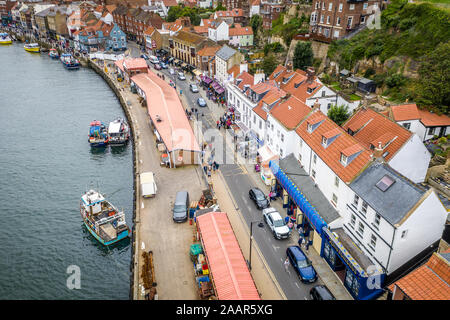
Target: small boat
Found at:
x=32, y=47
x=5, y=38
x=98, y=136
x=119, y=132
x=53, y=53
x=69, y=61
x=102, y=219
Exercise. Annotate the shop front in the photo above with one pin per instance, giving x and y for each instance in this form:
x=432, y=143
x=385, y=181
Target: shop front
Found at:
x=351, y=266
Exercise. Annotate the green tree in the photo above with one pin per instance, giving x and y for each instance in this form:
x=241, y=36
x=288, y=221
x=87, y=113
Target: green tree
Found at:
x=303, y=55
x=220, y=7
x=255, y=23
x=269, y=64
x=339, y=114
x=434, y=80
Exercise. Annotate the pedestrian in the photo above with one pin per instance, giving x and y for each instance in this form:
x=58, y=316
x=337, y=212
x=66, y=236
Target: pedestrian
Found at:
x=269, y=198
x=300, y=241
x=286, y=264
x=218, y=124
x=214, y=166
x=209, y=172
x=307, y=245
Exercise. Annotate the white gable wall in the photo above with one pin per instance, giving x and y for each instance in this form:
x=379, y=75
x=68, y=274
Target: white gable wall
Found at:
x=412, y=160
x=424, y=227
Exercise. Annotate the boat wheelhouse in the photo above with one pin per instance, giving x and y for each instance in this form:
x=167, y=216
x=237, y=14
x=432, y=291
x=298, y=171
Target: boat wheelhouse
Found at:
x=53, y=53
x=5, y=38
x=119, y=132
x=102, y=219
x=69, y=61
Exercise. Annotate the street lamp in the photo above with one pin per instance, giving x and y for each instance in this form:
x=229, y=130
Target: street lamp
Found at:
x=261, y=225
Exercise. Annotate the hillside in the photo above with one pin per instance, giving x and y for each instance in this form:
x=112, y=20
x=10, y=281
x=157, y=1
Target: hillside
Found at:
x=409, y=57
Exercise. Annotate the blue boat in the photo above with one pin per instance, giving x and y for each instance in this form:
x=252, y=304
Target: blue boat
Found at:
x=102, y=219
x=98, y=135
x=69, y=61
x=53, y=53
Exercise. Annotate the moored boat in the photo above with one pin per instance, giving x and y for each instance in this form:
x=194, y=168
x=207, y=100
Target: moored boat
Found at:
x=32, y=47
x=119, y=132
x=98, y=136
x=102, y=219
x=53, y=53
x=5, y=38
x=69, y=61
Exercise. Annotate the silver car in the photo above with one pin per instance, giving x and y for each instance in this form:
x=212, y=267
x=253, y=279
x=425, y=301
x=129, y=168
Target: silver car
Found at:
x=193, y=88
x=181, y=76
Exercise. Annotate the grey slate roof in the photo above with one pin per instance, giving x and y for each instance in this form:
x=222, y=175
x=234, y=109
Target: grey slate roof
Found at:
x=446, y=256
x=392, y=204
x=291, y=167
x=225, y=53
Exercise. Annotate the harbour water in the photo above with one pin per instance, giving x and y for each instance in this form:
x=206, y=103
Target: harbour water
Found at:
x=46, y=164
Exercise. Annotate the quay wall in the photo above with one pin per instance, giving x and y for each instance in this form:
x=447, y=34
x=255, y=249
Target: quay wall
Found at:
x=136, y=191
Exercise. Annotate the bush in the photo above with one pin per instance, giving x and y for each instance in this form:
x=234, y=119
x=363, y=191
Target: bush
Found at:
x=369, y=72
x=395, y=80
x=442, y=140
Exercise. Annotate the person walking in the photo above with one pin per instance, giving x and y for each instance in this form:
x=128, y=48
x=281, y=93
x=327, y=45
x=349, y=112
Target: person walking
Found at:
x=286, y=264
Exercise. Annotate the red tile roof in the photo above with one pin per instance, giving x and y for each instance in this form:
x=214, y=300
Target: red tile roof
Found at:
x=240, y=31
x=200, y=29
x=331, y=155
x=208, y=51
x=135, y=63
x=228, y=269
x=429, y=282
x=370, y=126
x=247, y=79
x=432, y=119
x=290, y=112
x=405, y=112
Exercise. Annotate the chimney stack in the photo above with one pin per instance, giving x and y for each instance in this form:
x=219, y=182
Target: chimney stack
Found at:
x=289, y=67
x=316, y=105
x=310, y=73
x=259, y=76
x=378, y=152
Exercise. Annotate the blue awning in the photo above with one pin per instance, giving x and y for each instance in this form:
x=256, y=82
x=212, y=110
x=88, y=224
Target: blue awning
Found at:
x=294, y=192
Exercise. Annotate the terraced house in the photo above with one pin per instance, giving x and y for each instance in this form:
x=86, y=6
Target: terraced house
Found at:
x=101, y=36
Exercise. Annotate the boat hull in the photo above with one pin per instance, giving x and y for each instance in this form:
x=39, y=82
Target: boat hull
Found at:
x=33, y=50
x=5, y=42
x=98, y=144
x=124, y=234
x=71, y=67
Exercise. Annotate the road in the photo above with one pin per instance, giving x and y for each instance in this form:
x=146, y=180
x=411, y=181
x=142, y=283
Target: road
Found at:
x=239, y=181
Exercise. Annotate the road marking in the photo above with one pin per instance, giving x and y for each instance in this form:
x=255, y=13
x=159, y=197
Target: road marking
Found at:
x=297, y=285
x=140, y=143
x=275, y=247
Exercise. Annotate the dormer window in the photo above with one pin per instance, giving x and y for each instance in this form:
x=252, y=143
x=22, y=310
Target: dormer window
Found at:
x=310, y=128
x=324, y=142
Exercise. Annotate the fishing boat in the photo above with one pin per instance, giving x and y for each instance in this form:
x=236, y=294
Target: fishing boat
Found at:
x=102, y=219
x=53, y=53
x=32, y=47
x=119, y=132
x=69, y=61
x=98, y=136
x=5, y=38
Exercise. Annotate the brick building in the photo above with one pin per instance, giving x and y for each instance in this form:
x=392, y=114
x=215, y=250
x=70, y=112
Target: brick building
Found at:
x=270, y=11
x=237, y=4
x=333, y=19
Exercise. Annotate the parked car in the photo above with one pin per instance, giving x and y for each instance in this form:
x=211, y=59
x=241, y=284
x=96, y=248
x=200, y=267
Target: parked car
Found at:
x=301, y=264
x=181, y=76
x=193, y=88
x=144, y=56
x=163, y=65
x=153, y=59
x=276, y=223
x=181, y=206
x=171, y=71
x=321, y=293
x=201, y=102
x=259, y=198
x=157, y=66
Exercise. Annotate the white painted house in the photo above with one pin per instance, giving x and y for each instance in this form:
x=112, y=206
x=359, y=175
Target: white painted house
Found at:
x=218, y=30
x=422, y=122
x=226, y=58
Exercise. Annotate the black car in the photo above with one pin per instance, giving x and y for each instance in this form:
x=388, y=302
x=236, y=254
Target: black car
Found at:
x=321, y=293
x=259, y=198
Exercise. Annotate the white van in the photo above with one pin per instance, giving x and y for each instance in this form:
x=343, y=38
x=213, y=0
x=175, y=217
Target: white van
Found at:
x=148, y=184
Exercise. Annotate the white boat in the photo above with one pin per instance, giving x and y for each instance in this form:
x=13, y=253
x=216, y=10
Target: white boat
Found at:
x=32, y=47
x=119, y=132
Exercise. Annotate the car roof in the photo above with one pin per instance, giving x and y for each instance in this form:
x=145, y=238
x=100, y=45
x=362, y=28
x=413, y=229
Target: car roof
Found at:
x=275, y=215
x=297, y=252
x=323, y=291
